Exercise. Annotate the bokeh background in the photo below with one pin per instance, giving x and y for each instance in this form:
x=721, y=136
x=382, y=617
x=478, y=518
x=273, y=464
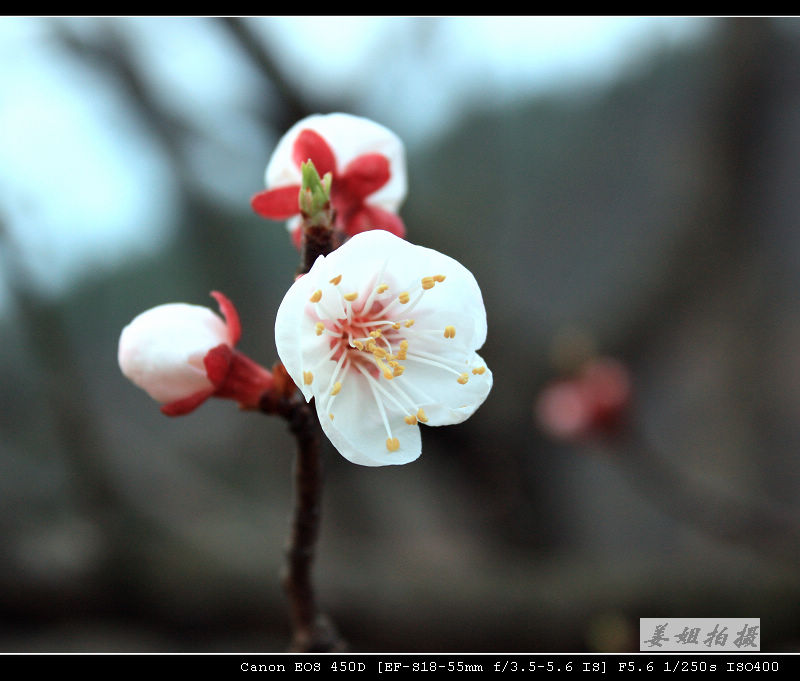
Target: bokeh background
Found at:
x=621, y=186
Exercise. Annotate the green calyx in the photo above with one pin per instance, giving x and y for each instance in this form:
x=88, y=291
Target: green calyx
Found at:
x=315, y=195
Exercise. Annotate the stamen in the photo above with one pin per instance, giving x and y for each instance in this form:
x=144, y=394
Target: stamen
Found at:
x=386, y=371
x=392, y=444
x=351, y=296
x=403, y=297
x=316, y=296
x=336, y=388
x=373, y=384
x=358, y=345
x=368, y=303
x=376, y=333
x=423, y=358
x=428, y=283
x=307, y=377
x=439, y=277
x=402, y=352
x=449, y=331
x=479, y=370
x=331, y=415
x=335, y=281
x=382, y=288
x=463, y=379
x=421, y=415
x=397, y=399
x=409, y=323
x=320, y=327
x=411, y=420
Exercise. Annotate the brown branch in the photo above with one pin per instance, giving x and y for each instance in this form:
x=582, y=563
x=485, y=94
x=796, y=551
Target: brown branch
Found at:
x=311, y=631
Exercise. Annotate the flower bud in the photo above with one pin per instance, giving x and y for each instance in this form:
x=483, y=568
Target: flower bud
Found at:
x=182, y=354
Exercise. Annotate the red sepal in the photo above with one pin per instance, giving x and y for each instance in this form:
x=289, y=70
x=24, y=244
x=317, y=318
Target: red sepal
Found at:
x=311, y=145
x=245, y=381
x=186, y=404
x=217, y=363
x=231, y=316
x=277, y=204
x=364, y=175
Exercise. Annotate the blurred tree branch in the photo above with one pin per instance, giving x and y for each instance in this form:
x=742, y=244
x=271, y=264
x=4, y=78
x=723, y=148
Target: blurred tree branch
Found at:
x=293, y=105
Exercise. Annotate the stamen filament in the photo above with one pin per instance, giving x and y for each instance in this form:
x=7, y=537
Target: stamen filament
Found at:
x=371, y=382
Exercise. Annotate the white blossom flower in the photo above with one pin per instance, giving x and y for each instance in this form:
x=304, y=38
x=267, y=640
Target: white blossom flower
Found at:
x=383, y=335
x=365, y=159
x=182, y=354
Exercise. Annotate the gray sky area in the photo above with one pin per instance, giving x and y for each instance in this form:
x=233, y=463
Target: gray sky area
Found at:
x=82, y=187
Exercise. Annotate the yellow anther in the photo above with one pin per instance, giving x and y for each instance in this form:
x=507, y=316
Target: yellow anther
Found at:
x=411, y=420
x=396, y=326
x=371, y=345
x=316, y=296
x=331, y=415
x=335, y=281
x=421, y=415
x=463, y=379
x=380, y=353
x=439, y=277
x=307, y=377
x=358, y=345
x=320, y=327
x=376, y=333
x=398, y=371
x=401, y=353
x=392, y=444
x=351, y=296
x=428, y=283
x=386, y=371
x=479, y=370
x=336, y=388
x=382, y=288
x=392, y=362
x=409, y=323
x=404, y=297
x=449, y=331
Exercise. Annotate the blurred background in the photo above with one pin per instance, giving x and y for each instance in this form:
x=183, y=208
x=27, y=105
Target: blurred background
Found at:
x=620, y=186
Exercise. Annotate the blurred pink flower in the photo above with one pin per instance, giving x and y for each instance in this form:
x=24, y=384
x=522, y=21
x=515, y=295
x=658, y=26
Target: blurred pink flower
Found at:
x=590, y=406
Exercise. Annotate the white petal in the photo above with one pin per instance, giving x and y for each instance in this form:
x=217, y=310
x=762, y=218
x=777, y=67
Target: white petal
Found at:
x=295, y=339
x=348, y=136
x=444, y=399
x=367, y=412
x=162, y=349
x=357, y=430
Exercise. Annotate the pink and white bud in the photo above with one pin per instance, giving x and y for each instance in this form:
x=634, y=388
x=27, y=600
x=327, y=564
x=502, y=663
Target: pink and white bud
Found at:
x=367, y=166
x=182, y=354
